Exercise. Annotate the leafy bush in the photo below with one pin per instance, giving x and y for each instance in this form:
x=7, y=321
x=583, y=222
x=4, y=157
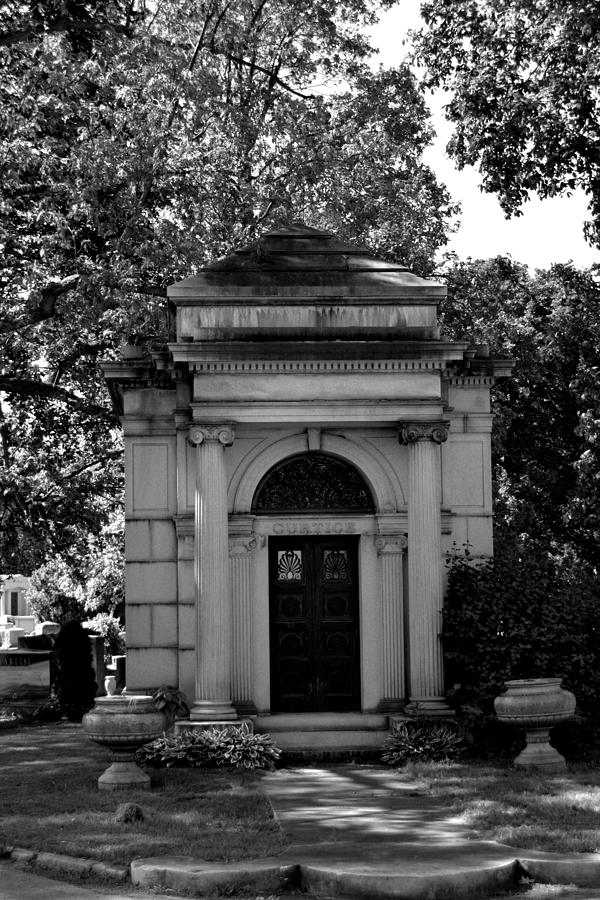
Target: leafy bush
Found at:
x=110, y=628
x=55, y=594
x=525, y=614
x=240, y=748
x=172, y=702
x=234, y=746
x=75, y=678
x=423, y=742
x=187, y=750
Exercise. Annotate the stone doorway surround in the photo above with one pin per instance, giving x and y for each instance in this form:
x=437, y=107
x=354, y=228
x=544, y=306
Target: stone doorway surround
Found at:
x=299, y=343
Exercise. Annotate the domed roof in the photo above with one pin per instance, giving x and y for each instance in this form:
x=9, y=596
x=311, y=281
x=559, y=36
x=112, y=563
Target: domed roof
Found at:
x=297, y=261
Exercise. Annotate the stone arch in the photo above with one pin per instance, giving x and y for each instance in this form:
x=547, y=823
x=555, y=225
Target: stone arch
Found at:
x=384, y=486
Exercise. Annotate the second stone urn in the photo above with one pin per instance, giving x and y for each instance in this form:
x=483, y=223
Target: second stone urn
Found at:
x=123, y=724
x=536, y=705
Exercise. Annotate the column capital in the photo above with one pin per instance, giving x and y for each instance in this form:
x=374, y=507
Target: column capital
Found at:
x=204, y=434
x=391, y=544
x=411, y=432
x=241, y=544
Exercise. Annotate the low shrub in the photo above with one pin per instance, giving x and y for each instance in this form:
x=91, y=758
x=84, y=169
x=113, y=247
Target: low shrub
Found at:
x=411, y=742
x=172, y=702
x=233, y=746
x=526, y=613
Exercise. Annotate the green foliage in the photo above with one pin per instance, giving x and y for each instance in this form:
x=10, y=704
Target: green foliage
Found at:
x=524, y=614
x=138, y=143
x=213, y=747
x=422, y=742
x=55, y=595
x=110, y=629
x=75, y=682
x=172, y=701
x=546, y=437
x=523, y=77
x=69, y=588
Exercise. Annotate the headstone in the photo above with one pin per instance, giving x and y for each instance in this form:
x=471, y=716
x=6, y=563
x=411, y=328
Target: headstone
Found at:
x=36, y=642
x=47, y=628
x=119, y=662
x=97, y=645
x=12, y=635
x=24, y=676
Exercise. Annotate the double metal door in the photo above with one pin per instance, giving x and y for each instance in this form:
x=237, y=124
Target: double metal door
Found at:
x=314, y=633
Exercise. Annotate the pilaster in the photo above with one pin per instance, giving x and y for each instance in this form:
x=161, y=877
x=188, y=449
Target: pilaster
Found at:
x=241, y=547
x=390, y=550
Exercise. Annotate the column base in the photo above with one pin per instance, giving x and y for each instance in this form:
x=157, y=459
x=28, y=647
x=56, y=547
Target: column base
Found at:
x=429, y=708
x=212, y=710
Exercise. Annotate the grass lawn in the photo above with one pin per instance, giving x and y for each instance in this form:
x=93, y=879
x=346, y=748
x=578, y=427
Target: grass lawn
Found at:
x=559, y=813
x=49, y=801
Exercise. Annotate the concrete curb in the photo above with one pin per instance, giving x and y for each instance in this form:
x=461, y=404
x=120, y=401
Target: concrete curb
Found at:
x=73, y=866
x=383, y=871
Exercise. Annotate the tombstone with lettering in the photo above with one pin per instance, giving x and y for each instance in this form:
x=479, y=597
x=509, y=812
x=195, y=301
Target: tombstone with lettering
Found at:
x=299, y=456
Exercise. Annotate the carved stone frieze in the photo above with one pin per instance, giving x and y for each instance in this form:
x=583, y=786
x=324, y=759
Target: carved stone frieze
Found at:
x=411, y=432
x=203, y=434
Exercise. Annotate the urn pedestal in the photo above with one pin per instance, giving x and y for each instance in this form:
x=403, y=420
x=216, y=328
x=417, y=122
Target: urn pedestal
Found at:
x=536, y=705
x=123, y=724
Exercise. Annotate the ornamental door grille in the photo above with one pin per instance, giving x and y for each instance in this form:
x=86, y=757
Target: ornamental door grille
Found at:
x=314, y=624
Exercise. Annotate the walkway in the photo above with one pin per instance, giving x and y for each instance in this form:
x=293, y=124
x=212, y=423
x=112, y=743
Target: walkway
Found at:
x=361, y=831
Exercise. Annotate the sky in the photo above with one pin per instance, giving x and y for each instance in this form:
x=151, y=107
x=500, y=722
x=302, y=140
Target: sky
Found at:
x=549, y=230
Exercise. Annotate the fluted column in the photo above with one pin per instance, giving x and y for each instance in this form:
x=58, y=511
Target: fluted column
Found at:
x=425, y=584
x=211, y=569
x=390, y=549
x=240, y=553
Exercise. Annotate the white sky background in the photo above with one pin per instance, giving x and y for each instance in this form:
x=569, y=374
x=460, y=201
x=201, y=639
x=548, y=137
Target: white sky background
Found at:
x=549, y=231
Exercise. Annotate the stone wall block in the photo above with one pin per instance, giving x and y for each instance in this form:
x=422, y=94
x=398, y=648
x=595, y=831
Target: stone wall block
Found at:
x=148, y=668
x=151, y=582
x=164, y=625
x=139, y=626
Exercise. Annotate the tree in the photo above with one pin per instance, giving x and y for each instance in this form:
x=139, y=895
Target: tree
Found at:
x=138, y=143
x=525, y=103
x=546, y=439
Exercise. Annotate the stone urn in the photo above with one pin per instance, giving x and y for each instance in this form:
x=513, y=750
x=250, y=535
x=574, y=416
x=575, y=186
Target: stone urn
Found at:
x=536, y=705
x=123, y=724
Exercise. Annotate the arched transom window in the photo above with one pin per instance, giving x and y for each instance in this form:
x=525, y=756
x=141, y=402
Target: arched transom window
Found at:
x=312, y=483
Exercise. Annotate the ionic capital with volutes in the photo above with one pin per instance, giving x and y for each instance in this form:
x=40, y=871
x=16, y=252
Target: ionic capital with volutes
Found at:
x=412, y=432
x=204, y=434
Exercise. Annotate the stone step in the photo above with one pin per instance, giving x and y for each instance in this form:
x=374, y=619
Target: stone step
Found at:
x=319, y=735
x=329, y=740
x=321, y=722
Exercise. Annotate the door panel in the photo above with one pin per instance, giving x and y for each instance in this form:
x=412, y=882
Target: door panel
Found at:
x=314, y=624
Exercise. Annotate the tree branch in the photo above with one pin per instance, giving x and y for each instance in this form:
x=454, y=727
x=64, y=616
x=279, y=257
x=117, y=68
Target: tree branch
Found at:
x=59, y=26
x=28, y=387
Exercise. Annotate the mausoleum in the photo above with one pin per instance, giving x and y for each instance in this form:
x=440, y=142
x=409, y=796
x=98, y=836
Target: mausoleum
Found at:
x=298, y=460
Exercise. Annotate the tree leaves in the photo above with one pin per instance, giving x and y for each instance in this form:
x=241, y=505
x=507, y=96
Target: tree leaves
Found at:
x=137, y=144
x=547, y=415
x=525, y=105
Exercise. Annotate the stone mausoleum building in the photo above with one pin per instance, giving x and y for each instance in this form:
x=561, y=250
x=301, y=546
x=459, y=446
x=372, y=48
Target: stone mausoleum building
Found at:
x=297, y=462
